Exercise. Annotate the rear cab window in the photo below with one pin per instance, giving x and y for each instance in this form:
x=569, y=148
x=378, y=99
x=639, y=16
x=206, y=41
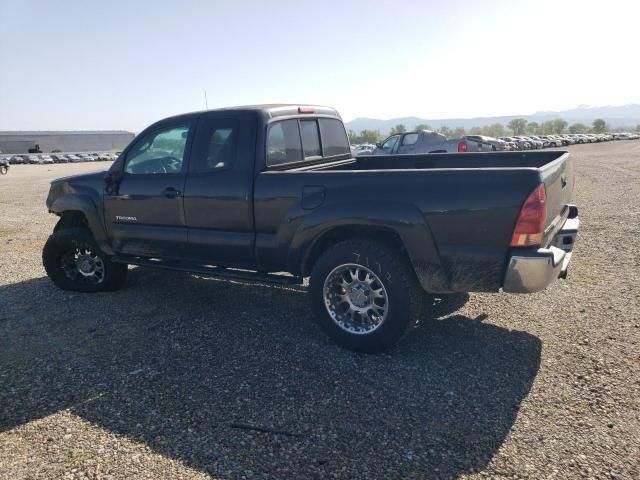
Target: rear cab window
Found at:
x=283, y=143
x=334, y=137
x=305, y=139
x=310, y=139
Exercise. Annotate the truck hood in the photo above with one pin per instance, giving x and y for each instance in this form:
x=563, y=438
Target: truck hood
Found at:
x=91, y=184
x=80, y=177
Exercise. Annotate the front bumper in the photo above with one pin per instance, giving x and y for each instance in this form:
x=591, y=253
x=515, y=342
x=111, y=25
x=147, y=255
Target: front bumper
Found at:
x=534, y=270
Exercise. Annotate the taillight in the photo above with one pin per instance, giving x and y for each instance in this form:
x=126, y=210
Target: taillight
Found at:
x=462, y=147
x=530, y=225
x=306, y=110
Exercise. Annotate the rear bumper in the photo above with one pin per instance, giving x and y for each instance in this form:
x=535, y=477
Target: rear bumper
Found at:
x=534, y=270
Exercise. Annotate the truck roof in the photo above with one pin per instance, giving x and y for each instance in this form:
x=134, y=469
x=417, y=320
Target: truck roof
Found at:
x=270, y=110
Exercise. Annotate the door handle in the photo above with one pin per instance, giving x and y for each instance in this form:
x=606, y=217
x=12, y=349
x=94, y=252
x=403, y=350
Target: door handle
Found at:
x=171, y=192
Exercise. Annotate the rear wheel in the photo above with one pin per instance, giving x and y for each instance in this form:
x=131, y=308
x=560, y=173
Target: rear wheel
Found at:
x=365, y=296
x=3, y=169
x=74, y=262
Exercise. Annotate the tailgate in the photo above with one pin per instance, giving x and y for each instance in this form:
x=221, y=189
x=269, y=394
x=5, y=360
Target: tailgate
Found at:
x=558, y=179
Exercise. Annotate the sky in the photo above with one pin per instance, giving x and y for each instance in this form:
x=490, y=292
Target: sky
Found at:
x=115, y=64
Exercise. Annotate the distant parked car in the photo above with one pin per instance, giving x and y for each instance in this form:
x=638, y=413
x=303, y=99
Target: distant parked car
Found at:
x=45, y=159
x=535, y=143
x=363, y=149
x=560, y=141
x=546, y=142
x=518, y=142
x=33, y=159
x=496, y=144
x=74, y=158
x=427, y=141
x=552, y=141
x=513, y=145
x=580, y=138
x=530, y=144
x=58, y=158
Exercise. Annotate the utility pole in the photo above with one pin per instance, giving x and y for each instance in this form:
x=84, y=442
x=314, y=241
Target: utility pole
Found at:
x=206, y=103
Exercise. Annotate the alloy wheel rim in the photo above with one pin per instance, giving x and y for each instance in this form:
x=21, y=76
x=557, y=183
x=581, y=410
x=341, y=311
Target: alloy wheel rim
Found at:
x=83, y=265
x=355, y=298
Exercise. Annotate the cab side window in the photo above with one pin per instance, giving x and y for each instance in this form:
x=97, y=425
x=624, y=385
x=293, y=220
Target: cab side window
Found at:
x=215, y=145
x=158, y=152
x=390, y=143
x=410, y=139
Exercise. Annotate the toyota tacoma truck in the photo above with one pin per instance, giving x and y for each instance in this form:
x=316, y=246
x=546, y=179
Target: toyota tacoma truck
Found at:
x=271, y=193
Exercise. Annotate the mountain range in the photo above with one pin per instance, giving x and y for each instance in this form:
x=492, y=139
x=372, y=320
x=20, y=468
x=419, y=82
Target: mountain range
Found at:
x=615, y=116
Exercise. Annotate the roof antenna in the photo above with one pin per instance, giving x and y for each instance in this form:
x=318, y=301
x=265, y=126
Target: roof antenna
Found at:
x=206, y=103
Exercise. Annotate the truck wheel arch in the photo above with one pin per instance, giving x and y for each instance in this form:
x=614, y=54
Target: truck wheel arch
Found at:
x=337, y=234
x=400, y=226
x=71, y=219
x=79, y=210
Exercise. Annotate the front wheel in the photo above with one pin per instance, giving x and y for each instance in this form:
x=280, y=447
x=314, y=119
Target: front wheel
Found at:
x=3, y=169
x=74, y=262
x=364, y=295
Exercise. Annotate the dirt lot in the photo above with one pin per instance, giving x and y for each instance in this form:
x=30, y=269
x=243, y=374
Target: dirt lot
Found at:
x=177, y=376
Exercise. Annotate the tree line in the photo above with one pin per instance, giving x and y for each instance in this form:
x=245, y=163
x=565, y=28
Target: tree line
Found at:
x=517, y=126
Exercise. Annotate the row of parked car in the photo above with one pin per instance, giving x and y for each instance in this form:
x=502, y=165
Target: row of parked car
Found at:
x=531, y=142
x=45, y=158
x=427, y=141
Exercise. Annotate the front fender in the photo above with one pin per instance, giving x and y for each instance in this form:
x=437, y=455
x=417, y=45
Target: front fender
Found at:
x=404, y=220
x=77, y=202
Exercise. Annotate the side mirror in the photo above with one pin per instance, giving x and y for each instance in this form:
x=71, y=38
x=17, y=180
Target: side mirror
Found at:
x=378, y=145
x=111, y=182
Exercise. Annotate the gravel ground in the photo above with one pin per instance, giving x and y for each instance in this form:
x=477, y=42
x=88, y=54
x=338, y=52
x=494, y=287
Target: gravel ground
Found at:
x=177, y=376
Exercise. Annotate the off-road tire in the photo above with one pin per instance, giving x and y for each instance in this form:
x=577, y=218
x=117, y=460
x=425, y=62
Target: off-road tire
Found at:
x=3, y=169
x=396, y=275
x=68, y=239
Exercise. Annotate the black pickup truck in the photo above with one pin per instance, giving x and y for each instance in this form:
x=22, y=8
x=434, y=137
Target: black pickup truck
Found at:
x=271, y=193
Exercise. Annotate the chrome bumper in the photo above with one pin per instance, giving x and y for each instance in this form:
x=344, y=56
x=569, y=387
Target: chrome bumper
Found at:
x=534, y=270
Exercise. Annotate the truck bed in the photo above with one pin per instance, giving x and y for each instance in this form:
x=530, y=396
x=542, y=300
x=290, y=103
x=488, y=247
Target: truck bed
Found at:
x=464, y=206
